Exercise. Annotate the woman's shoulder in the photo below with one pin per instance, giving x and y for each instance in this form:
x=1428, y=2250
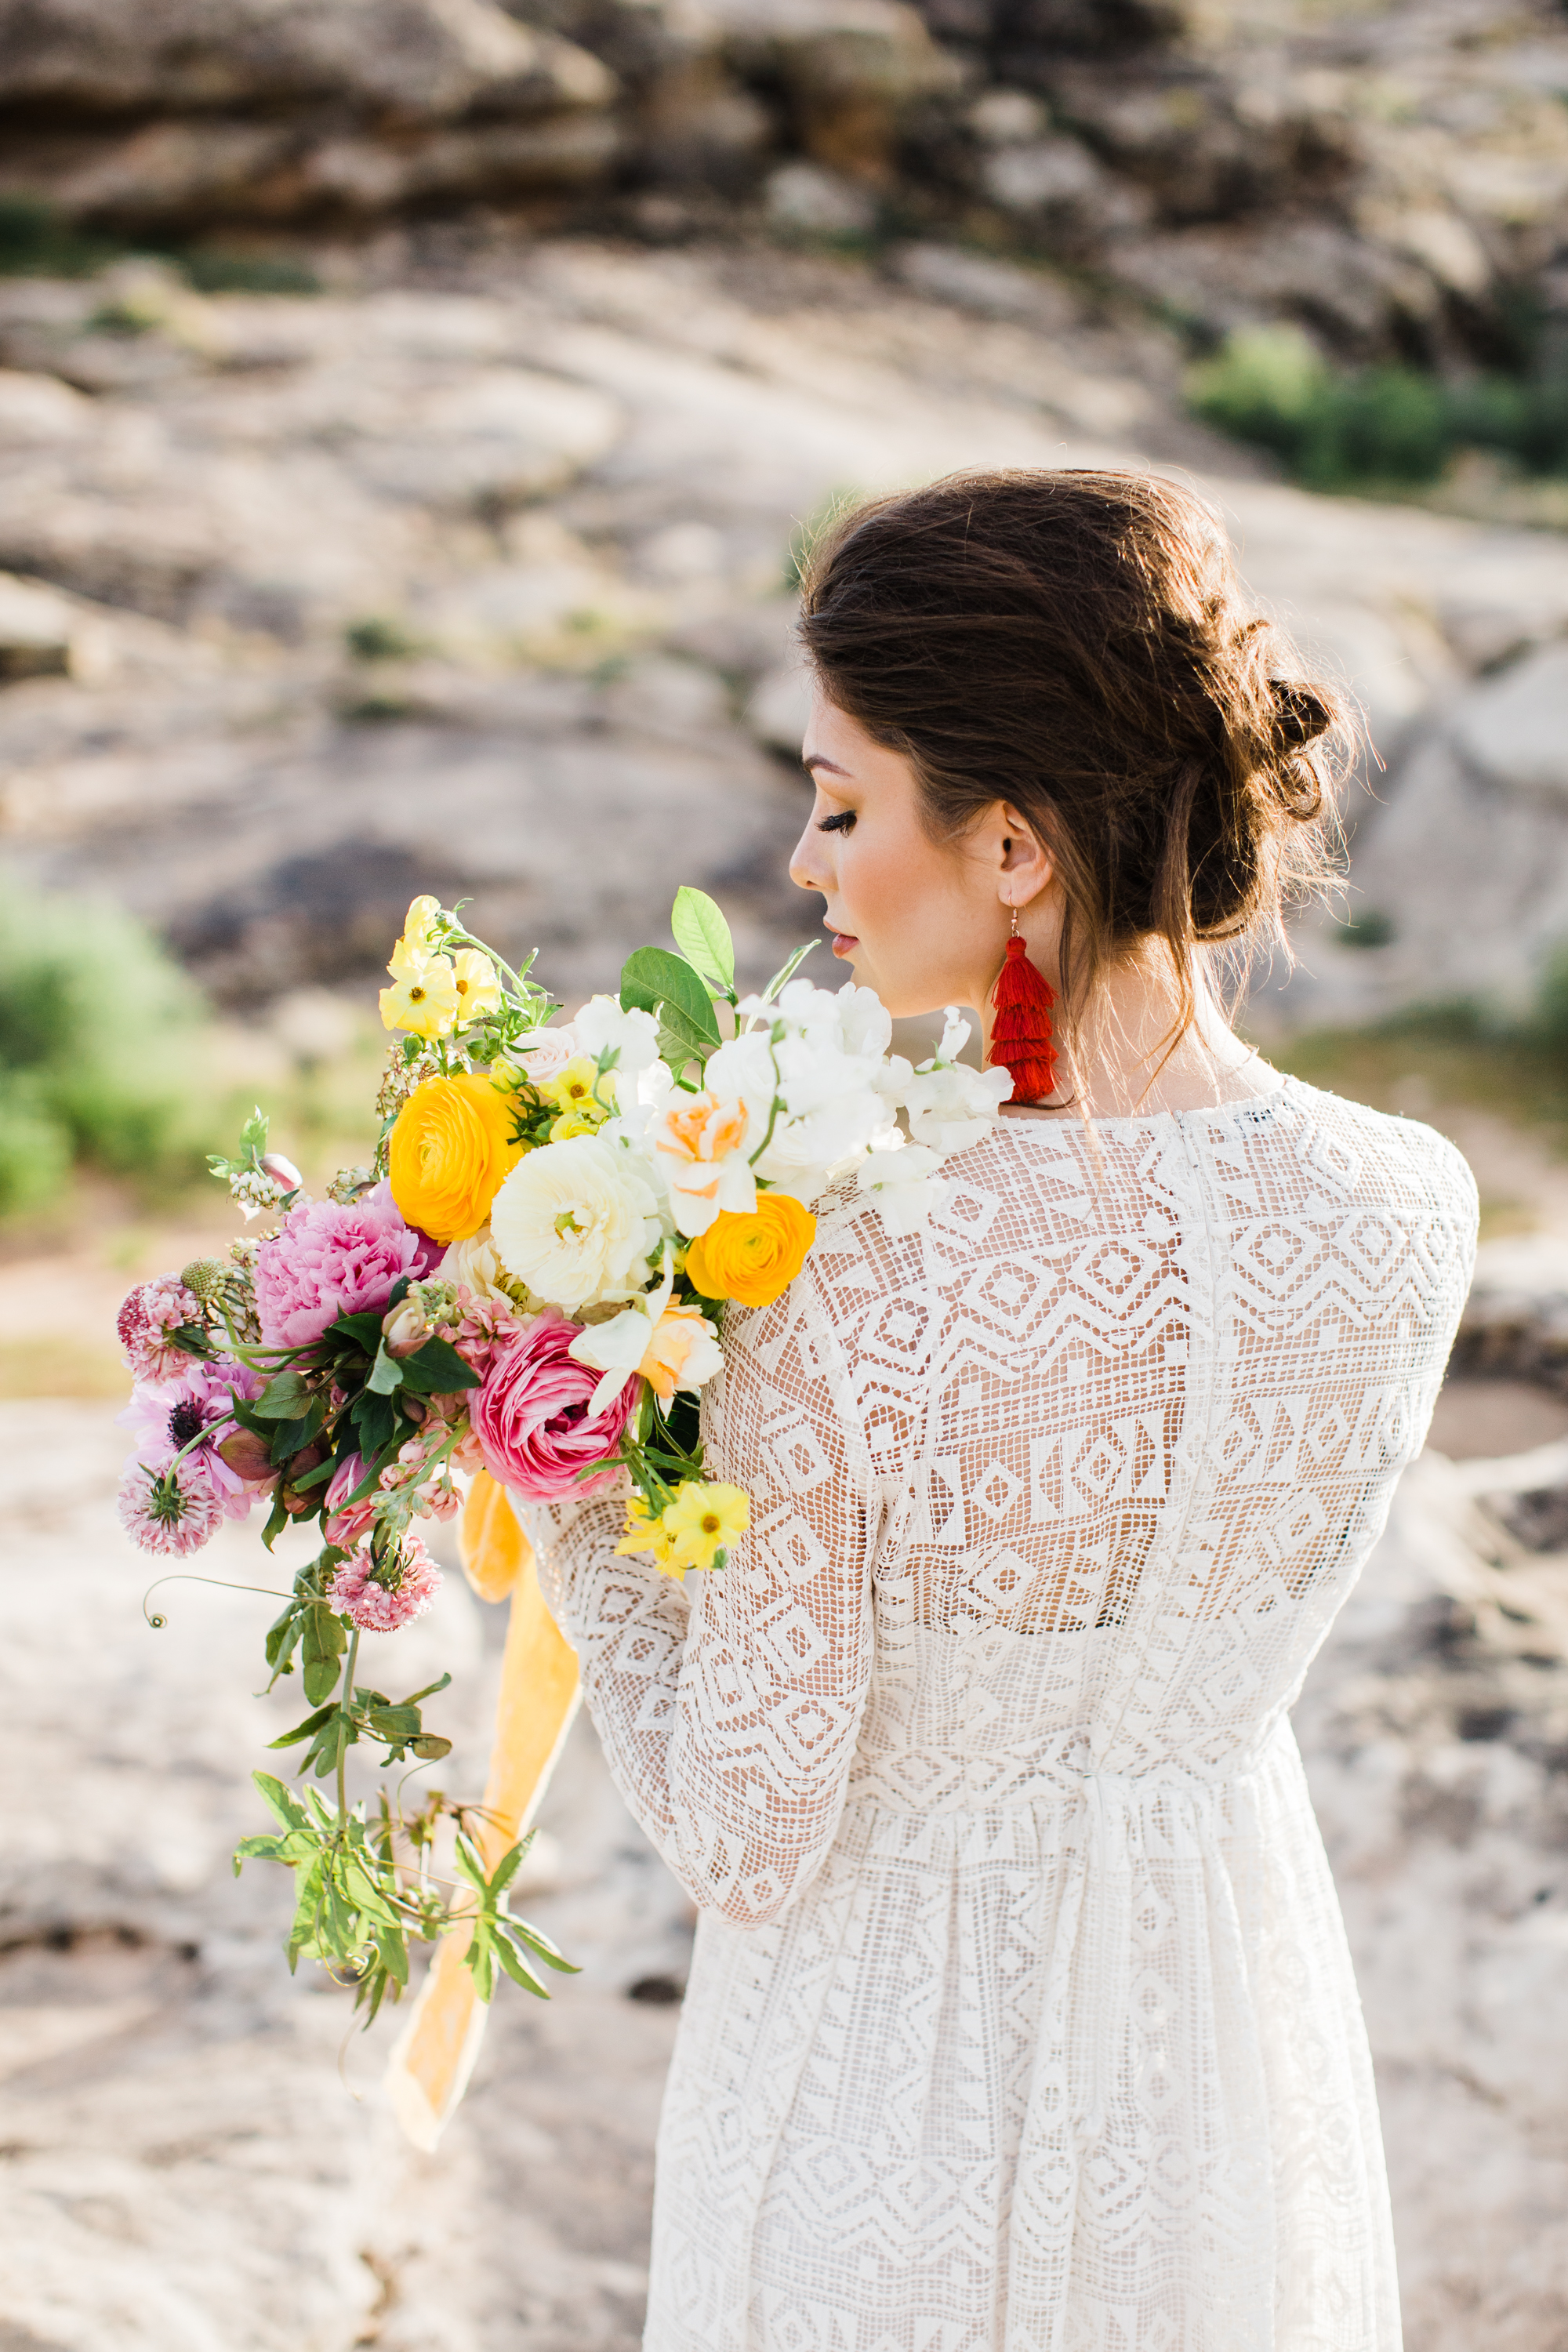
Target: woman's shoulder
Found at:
x=1374, y=1148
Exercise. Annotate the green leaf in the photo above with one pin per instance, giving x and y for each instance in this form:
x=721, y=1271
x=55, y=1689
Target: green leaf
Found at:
x=703, y=936
x=430, y=1747
x=679, y=1042
x=360, y=1330
x=786, y=972
x=517, y=1968
x=285, y=1398
x=651, y=977
x=306, y=1730
x=435, y=1369
x=280, y=1801
x=325, y=1642
x=386, y=1373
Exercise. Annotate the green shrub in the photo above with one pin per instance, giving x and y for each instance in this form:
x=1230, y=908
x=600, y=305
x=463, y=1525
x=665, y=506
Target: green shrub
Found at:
x=100, y=1055
x=1333, y=430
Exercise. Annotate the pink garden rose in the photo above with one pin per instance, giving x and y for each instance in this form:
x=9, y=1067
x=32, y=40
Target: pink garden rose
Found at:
x=532, y=1417
x=329, y=1260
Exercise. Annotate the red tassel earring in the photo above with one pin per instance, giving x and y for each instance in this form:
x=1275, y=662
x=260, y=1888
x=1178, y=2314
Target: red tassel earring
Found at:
x=1021, y=1038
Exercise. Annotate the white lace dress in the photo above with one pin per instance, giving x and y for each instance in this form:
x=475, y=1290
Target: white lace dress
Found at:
x=1021, y=2015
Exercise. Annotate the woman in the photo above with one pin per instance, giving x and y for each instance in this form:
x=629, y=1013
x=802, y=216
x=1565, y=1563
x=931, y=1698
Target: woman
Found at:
x=1021, y=2015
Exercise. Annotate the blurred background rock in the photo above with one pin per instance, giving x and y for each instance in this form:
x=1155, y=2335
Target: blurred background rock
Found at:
x=411, y=416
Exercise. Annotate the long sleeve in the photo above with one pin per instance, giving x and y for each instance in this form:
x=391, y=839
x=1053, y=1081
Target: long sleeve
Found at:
x=729, y=1715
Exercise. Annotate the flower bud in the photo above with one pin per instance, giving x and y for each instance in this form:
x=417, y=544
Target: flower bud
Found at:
x=247, y=1456
x=404, y=1330
x=282, y=1171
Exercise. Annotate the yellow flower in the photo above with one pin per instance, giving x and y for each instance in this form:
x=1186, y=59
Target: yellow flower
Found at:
x=419, y=927
x=702, y=1522
x=751, y=1259
x=424, y=994
x=449, y=1150
x=572, y=1090
x=645, y=1534
x=478, y=990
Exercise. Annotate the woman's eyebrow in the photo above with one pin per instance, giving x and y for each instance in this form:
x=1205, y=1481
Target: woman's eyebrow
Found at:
x=815, y=760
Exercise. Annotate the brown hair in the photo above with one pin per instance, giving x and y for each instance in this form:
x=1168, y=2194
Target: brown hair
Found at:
x=1077, y=644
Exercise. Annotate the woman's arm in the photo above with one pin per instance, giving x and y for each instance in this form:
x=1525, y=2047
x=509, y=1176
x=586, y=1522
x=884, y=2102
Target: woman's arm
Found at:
x=730, y=1717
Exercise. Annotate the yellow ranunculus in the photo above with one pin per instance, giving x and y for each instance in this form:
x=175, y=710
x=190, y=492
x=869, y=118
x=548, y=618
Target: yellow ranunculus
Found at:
x=450, y=1149
x=751, y=1259
x=702, y=1522
x=423, y=997
x=478, y=990
x=572, y=1091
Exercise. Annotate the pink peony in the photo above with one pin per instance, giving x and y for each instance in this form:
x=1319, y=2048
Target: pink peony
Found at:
x=329, y=1260
x=379, y=1607
x=145, y=1321
x=172, y=1510
x=532, y=1415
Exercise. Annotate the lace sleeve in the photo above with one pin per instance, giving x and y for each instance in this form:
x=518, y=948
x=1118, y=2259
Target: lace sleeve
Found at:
x=728, y=1713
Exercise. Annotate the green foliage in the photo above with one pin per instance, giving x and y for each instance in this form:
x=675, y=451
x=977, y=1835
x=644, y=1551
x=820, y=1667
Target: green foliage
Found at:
x=36, y=240
x=98, y=1031
x=1336, y=430
x=378, y=637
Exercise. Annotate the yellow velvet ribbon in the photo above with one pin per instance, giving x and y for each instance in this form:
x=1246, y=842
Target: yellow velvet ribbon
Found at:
x=434, y=2057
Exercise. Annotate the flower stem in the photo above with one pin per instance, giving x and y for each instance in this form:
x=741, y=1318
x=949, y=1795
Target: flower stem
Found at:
x=345, y=1703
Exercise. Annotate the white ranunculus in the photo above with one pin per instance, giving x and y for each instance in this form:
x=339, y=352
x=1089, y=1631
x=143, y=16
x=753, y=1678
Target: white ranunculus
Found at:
x=952, y=1108
x=903, y=1183
x=474, y=1264
x=544, y=1053
x=576, y=1221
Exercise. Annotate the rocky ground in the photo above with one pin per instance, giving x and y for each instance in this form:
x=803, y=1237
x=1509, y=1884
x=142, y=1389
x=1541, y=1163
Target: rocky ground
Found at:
x=470, y=574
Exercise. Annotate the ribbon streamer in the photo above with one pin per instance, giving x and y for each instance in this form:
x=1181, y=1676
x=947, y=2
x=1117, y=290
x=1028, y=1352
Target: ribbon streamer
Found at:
x=434, y=2056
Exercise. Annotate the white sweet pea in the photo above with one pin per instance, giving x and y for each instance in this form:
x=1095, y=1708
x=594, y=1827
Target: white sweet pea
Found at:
x=904, y=1184
x=671, y=1346
x=953, y=1106
x=577, y=1220
x=602, y=1027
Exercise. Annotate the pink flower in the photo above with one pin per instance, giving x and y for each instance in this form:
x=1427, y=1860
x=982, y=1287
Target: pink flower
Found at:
x=329, y=1260
x=345, y=1522
x=171, y=1509
x=145, y=1321
x=532, y=1415
x=380, y=1600
x=489, y=1328
x=165, y=1417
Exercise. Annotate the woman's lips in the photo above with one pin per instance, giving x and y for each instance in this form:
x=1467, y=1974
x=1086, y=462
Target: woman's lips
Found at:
x=844, y=943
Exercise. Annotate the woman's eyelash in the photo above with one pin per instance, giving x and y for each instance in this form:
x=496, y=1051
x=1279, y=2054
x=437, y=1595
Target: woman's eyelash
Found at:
x=839, y=823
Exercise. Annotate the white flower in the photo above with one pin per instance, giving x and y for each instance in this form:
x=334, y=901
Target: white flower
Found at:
x=603, y=1028
x=576, y=1221
x=544, y=1053
x=952, y=1107
x=700, y=1143
x=671, y=1346
x=903, y=1183
x=475, y=1264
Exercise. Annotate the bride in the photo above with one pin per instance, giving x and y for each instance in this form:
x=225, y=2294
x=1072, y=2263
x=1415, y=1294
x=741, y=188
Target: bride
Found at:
x=1021, y=2018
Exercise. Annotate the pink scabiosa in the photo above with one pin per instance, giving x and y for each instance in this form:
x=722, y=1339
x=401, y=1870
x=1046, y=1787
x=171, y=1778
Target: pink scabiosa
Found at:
x=532, y=1421
x=379, y=1599
x=170, y=1508
x=153, y=1311
x=329, y=1259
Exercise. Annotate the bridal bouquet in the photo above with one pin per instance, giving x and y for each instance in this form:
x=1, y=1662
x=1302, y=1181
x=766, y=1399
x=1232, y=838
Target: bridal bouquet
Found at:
x=530, y=1280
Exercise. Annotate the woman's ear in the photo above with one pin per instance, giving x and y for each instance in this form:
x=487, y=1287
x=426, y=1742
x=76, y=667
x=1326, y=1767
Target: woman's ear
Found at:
x=1024, y=861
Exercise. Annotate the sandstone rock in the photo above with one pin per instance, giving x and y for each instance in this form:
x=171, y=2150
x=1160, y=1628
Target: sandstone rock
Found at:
x=417, y=57
x=35, y=631
x=1058, y=185
x=823, y=203
x=853, y=70
x=779, y=709
x=977, y=281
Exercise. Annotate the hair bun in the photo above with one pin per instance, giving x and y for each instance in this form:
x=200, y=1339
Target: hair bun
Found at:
x=1300, y=713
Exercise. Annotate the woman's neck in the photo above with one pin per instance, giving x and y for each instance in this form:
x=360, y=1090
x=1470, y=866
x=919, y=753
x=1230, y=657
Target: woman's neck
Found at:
x=1128, y=1063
